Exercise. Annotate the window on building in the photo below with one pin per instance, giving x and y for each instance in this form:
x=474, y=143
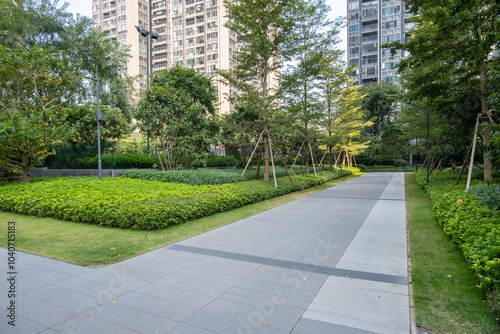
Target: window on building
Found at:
x=353, y=28
x=370, y=59
x=353, y=61
x=370, y=70
x=370, y=47
x=190, y=62
x=390, y=10
x=390, y=24
x=354, y=50
x=391, y=38
x=354, y=39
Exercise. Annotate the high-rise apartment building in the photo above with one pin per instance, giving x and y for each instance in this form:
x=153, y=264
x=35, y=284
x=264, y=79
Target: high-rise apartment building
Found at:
x=190, y=33
x=372, y=23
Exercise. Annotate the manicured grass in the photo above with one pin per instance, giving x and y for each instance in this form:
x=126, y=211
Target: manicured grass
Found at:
x=447, y=299
x=85, y=244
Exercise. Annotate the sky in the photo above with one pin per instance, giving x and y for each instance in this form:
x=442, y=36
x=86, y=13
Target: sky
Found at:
x=84, y=7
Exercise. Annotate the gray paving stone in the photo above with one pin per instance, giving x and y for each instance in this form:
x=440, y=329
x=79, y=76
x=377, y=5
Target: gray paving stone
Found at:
x=62, y=297
x=27, y=285
x=188, y=329
x=276, y=297
x=88, y=325
x=134, y=319
x=103, y=292
x=42, y=312
x=228, y=317
x=22, y=325
x=50, y=277
x=175, y=295
x=133, y=272
x=117, y=277
x=309, y=326
x=198, y=286
x=271, y=288
x=156, y=305
x=209, y=276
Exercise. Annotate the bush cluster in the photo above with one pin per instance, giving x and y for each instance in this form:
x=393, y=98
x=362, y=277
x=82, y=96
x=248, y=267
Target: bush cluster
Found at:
x=120, y=161
x=200, y=176
x=400, y=163
x=489, y=194
x=472, y=225
x=138, y=204
x=377, y=160
x=220, y=161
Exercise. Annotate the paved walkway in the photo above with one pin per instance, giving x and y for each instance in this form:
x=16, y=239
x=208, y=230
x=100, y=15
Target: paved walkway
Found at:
x=333, y=262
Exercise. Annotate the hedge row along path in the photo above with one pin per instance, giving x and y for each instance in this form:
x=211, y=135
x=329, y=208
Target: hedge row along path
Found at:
x=140, y=204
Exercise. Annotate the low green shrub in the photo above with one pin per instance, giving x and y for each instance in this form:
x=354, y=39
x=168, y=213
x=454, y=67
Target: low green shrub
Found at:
x=121, y=161
x=220, y=161
x=192, y=176
x=138, y=204
x=400, y=163
x=489, y=194
x=470, y=223
x=202, y=176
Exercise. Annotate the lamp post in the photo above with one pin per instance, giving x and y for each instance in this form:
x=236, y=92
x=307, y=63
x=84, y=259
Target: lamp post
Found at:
x=100, y=117
x=149, y=35
x=428, y=135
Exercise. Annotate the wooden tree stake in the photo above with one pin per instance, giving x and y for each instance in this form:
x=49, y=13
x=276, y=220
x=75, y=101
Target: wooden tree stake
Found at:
x=251, y=156
x=300, y=149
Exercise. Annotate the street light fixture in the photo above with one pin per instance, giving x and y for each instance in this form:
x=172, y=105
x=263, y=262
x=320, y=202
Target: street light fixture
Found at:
x=100, y=117
x=428, y=135
x=149, y=35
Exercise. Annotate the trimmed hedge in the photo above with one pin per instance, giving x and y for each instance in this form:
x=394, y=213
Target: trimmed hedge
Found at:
x=139, y=204
x=120, y=161
x=473, y=226
x=200, y=176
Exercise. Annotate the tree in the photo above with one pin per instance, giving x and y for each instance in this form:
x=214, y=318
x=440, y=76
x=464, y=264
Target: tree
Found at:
x=378, y=108
x=177, y=111
x=453, y=39
x=310, y=42
x=36, y=89
x=43, y=24
x=83, y=122
x=259, y=26
x=348, y=123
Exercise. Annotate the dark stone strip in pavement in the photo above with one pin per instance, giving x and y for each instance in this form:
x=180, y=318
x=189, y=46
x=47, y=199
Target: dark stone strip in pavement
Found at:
x=384, y=278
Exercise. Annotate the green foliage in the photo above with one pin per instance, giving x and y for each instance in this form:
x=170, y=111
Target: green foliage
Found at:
x=120, y=161
x=220, y=161
x=400, y=163
x=173, y=112
x=489, y=194
x=83, y=122
x=473, y=226
x=138, y=204
x=378, y=105
x=200, y=176
x=36, y=87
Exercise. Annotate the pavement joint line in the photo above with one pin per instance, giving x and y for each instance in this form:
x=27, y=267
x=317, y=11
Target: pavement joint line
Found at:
x=355, y=274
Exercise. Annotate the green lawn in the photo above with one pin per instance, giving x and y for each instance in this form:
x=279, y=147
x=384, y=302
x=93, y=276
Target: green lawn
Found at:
x=87, y=244
x=447, y=299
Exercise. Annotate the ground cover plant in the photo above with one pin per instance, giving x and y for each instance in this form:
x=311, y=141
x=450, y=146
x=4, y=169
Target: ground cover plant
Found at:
x=472, y=225
x=200, y=176
x=447, y=299
x=139, y=204
x=87, y=244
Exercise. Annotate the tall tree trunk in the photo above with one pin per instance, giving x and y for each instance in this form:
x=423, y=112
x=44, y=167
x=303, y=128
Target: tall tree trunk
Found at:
x=25, y=170
x=265, y=140
x=488, y=166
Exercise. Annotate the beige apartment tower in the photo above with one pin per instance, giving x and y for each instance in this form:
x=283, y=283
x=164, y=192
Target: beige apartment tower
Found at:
x=189, y=33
